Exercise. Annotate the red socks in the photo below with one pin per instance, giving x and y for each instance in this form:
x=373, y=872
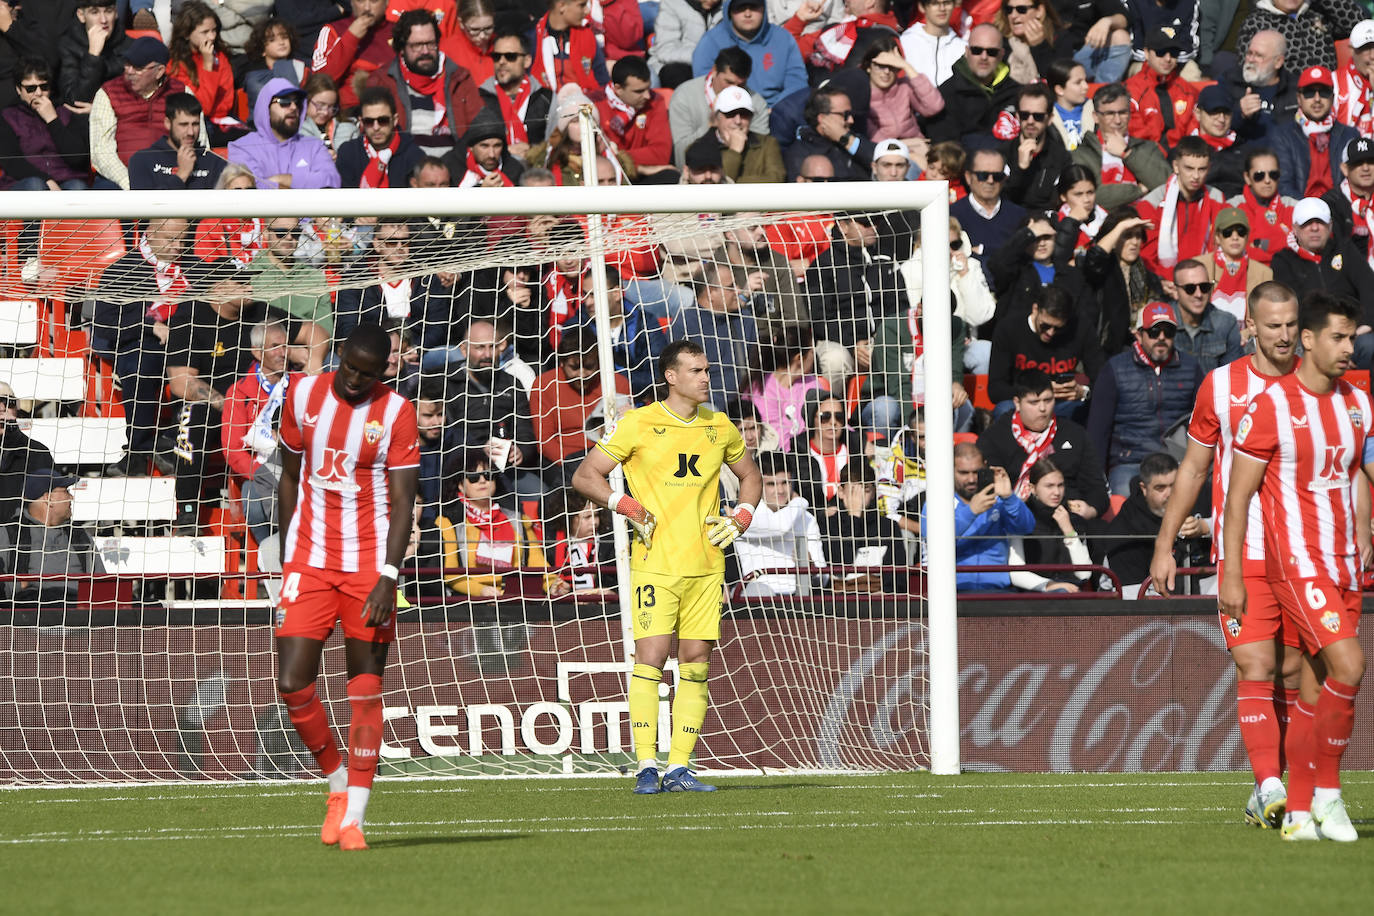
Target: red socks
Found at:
x=1333, y=723
x=365, y=730
x=1284, y=709
x=307, y=714
x=1259, y=727
x=1298, y=744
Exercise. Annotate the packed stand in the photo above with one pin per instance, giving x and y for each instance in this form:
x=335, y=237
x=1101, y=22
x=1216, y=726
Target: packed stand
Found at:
x=1123, y=175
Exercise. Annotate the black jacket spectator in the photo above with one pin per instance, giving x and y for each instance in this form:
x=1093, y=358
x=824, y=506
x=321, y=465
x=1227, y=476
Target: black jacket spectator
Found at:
x=1016, y=347
x=1017, y=284
x=850, y=288
x=1278, y=104
x=489, y=403
x=352, y=161
x=80, y=74
x=19, y=456
x=856, y=166
x=1130, y=541
x=1311, y=32
x=970, y=107
x=536, y=112
x=58, y=150
x=1353, y=279
x=1034, y=188
x=1295, y=156
x=1072, y=452
x=155, y=169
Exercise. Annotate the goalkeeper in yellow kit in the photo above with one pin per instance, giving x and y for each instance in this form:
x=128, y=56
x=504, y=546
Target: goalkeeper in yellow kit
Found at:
x=672, y=451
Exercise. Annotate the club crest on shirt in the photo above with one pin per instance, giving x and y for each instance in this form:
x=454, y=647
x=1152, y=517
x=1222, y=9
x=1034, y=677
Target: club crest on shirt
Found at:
x=1332, y=621
x=1181, y=106
x=1356, y=417
x=1336, y=262
x=1271, y=217
x=711, y=434
x=372, y=431
x=1233, y=627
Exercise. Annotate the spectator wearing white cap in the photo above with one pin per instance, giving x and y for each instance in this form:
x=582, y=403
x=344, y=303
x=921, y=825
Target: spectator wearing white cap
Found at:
x=1355, y=81
x=1312, y=147
x=892, y=161
x=747, y=157
x=1316, y=258
x=689, y=110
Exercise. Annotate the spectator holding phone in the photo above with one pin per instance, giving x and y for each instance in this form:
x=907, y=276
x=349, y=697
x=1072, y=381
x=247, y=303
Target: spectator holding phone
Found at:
x=987, y=512
x=1055, y=540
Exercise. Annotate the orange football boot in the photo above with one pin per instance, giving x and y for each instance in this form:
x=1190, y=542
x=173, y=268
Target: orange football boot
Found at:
x=333, y=817
x=351, y=837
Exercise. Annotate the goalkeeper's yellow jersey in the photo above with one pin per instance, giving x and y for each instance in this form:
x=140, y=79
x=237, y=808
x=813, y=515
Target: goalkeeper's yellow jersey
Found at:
x=672, y=466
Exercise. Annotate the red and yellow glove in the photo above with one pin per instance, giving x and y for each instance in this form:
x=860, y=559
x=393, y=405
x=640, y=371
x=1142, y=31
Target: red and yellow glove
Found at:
x=723, y=529
x=642, y=521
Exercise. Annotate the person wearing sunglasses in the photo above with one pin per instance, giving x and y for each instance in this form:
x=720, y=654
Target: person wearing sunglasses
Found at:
x=384, y=155
x=1035, y=37
x=977, y=93
x=521, y=100
x=1231, y=268
x=832, y=131
x=278, y=152
x=987, y=217
x=1214, y=127
x=44, y=145
x=1206, y=333
x=1150, y=20
x=1163, y=98
x=1270, y=213
x=437, y=99
x=1037, y=155
x=1140, y=394
x=1312, y=147
x=1352, y=201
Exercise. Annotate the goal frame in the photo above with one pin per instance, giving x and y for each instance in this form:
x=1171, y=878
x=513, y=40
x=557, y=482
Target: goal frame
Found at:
x=929, y=197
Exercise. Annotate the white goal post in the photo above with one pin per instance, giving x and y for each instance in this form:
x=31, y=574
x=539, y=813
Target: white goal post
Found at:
x=939, y=642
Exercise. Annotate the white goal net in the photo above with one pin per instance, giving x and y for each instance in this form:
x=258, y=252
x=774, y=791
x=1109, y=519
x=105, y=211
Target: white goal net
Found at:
x=145, y=336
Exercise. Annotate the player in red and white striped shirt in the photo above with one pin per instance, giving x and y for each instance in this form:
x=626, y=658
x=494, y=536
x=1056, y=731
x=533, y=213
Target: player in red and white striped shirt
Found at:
x=345, y=524
x=1257, y=641
x=1301, y=445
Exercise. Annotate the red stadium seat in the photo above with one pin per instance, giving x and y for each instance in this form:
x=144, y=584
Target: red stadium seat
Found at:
x=79, y=250
x=1116, y=503
x=977, y=388
x=1342, y=53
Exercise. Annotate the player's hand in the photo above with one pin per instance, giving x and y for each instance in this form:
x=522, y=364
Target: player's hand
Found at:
x=380, y=603
x=642, y=521
x=1231, y=597
x=723, y=529
x=1162, y=569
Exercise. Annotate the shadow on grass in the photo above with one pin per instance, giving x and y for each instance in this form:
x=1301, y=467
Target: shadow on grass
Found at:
x=400, y=842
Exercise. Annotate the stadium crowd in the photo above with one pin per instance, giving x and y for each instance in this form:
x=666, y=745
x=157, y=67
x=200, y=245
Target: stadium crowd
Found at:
x=1123, y=175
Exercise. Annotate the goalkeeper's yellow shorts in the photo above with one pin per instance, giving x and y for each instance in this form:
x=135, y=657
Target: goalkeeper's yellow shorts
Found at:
x=687, y=605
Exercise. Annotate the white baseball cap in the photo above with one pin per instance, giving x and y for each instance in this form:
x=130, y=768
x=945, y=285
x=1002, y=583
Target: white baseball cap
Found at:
x=733, y=98
x=1310, y=208
x=891, y=148
x=1362, y=34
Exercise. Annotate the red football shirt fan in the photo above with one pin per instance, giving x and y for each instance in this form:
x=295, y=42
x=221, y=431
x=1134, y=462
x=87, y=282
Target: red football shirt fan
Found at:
x=346, y=450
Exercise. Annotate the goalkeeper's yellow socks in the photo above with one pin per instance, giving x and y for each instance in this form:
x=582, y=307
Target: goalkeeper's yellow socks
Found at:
x=689, y=712
x=644, y=713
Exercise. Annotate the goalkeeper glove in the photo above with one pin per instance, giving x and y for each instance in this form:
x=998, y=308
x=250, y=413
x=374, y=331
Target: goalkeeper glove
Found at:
x=723, y=529
x=642, y=521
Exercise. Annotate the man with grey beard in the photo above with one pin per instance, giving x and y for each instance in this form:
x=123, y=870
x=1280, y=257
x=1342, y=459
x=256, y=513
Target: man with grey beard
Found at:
x=1265, y=91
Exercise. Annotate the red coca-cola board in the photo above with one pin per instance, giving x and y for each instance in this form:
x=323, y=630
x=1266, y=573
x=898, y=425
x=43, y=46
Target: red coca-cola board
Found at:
x=1038, y=694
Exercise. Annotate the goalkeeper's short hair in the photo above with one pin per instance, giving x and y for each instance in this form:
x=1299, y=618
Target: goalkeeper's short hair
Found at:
x=668, y=359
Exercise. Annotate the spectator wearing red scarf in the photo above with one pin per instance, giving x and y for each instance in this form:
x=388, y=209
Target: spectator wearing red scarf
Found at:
x=566, y=50
x=436, y=97
x=351, y=48
x=1269, y=213
x=1231, y=265
x=1162, y=102
x=486, y=163
x=521, y=100
x=636, y=120
x=828, y=48
x=383, y=156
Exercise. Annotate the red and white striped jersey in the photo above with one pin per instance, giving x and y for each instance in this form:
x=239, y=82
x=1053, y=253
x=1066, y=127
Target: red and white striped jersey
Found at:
x=343, y=509
x=1313, y=446
x=1222, y=400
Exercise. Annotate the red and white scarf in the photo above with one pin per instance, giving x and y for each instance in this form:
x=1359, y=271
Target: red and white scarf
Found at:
x=1114, y=170
x=1168, y=223
x=564, y=296
x=375, y=175
x=1354, y=100
x=476, y=172
x=1145, y=357
x=492, y=524
x=171, y=284
x=579, y=51
x=433, y=87
x=623, y=117
x=918, y=351
x=1225, y=141
x=834, y=44
x=831, y=465
x=1230, y=292
x=1302, y=252
x=1086, y=231
x=1035, y=445
x=1362, y=209
x=513, y=111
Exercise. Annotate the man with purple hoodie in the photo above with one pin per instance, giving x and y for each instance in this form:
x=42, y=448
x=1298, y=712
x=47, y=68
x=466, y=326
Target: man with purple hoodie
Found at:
x=277, y=152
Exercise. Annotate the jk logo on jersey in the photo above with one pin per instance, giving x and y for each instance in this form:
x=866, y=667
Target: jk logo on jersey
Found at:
x=1335, y=462
x=333, y=466
x=687, y=464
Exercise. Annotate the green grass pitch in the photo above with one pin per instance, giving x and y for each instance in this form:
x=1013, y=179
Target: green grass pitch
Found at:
x=900, y=843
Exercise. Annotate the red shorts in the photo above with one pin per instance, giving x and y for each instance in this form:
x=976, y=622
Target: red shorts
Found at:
x=1263, y=620
x=1320, y=612
x=312, y=600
